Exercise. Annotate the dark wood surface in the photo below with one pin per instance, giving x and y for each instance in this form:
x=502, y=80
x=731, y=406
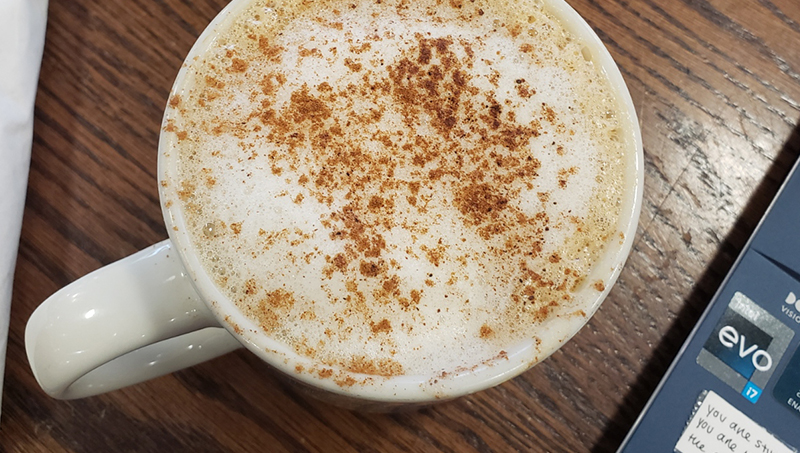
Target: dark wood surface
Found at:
x=717, y=88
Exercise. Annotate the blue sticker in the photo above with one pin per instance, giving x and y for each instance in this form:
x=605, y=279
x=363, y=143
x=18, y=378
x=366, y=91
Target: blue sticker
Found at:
x=745, y=347
x=752, y=392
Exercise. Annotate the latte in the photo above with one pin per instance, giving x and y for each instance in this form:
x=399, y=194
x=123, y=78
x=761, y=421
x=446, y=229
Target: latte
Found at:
x=399, y=188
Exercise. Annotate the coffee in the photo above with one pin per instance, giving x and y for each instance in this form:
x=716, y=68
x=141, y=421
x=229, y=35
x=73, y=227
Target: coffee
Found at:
x=399, y=188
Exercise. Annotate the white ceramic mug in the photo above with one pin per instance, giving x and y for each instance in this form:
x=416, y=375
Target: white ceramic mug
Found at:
x=157, y=311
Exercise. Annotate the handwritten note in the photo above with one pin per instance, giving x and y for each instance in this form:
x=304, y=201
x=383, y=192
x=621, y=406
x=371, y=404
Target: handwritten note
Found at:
x=718, y=427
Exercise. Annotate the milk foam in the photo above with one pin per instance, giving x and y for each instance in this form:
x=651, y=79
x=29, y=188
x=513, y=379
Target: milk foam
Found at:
x=399, y=188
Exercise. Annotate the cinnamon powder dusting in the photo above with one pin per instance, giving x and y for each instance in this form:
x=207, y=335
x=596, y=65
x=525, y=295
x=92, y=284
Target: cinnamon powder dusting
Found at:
x=395, y=193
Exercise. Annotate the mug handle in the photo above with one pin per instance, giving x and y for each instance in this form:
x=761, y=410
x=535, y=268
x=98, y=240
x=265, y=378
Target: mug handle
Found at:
x=133, y=320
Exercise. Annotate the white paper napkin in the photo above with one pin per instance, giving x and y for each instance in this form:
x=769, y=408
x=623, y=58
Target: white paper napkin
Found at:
x=22, y=26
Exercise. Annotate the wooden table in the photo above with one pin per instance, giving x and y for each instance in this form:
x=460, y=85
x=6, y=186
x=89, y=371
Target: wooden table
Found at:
x=717, y=88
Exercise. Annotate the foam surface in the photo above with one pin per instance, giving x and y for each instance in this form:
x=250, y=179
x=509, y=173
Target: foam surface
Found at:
x=396, y=187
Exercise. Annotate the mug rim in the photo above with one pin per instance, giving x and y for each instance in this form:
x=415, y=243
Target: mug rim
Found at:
x=408, y=389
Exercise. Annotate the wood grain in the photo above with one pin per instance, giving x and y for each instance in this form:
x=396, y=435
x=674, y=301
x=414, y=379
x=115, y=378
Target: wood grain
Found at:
x=717, y=88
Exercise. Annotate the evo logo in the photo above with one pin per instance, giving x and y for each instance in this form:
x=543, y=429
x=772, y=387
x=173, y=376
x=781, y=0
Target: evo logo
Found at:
x=744, y=347
x=740, y=344
x=760, y=358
